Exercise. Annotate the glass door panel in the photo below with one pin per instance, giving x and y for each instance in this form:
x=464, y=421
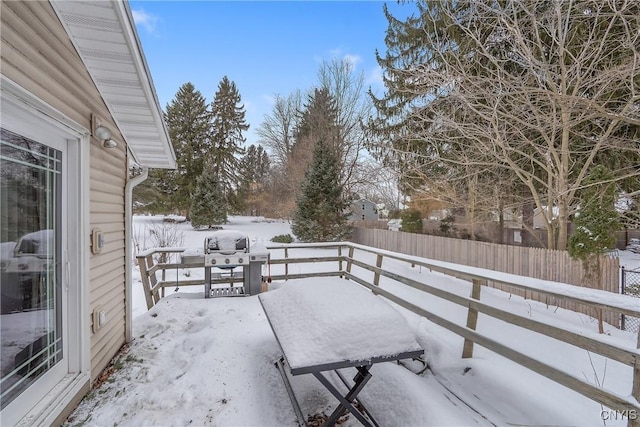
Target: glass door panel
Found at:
x=30, y=262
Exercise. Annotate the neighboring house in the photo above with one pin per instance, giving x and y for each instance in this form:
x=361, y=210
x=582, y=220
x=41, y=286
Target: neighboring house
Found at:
x=540, y=217
x=510, y=218
x=77, y=106
x=363, y=210
x=394, y=224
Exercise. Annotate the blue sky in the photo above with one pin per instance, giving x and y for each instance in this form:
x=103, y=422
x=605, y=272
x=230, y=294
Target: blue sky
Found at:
x=265, y=47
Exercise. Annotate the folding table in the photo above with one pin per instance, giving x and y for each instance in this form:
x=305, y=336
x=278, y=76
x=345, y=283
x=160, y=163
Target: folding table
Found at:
x=326, y=324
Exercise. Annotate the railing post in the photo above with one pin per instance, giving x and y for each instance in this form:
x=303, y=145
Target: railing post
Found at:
x=340, y=261
x=635, y=390
x=144, y=275
x=167, y=258
x=622, y=291
x=350, y=258
x=376, y=275
x=286, y=265
x=472, y=319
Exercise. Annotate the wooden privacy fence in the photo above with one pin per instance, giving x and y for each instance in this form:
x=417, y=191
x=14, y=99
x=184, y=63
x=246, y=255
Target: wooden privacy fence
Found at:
x=545, y=264
x=369, y=274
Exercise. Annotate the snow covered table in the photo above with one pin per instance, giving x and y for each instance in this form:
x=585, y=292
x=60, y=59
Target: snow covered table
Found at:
x=328, y=324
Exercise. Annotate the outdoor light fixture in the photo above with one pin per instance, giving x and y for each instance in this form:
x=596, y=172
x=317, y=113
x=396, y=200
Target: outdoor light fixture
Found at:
x=102, y=132
x=109, y=143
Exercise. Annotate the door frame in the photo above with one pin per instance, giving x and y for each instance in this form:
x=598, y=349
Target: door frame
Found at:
x=25, y=114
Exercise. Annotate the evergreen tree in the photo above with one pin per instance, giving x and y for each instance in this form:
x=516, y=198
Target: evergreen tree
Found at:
x=255, y=170
x=227, y=127
x=188, y=122
x=156, y=194
x=208, y=205
x=597, y=222
x=255, y=165
x=411, y=221
x=321, y=211
x=318, y=120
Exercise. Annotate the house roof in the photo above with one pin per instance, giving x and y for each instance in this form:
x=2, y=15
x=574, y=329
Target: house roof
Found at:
x=363, y=201
x=105, y=37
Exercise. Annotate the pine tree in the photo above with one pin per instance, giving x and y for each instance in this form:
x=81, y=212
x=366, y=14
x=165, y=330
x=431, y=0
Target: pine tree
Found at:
x=255, y=169
x=321, y=211
x=227, y=127
x=208, y=204
x=597, y=222
x=156, y=194
x=318, y=120
x=255, y=165
x=188, y=122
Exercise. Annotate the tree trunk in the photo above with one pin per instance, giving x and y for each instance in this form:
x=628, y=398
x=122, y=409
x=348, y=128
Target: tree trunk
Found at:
x=501, y=221
x=527, y=220
x=563, y=190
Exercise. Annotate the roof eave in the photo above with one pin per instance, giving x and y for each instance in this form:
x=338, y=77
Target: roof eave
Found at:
x=105, y=37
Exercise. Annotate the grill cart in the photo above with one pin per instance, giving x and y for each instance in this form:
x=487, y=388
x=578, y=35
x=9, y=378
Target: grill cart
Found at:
x=224, y=252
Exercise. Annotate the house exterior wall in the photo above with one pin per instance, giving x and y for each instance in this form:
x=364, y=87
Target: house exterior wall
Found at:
x=363, y=210
x=37, y=55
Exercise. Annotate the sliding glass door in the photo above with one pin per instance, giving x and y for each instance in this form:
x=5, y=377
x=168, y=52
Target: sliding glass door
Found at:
x=31, y=282
x=32, y=304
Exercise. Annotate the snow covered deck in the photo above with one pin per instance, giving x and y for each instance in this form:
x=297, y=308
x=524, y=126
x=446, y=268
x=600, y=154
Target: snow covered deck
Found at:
x=197, y=361
x=210, y=362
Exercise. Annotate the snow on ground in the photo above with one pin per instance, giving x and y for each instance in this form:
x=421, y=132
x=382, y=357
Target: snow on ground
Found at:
x=630, y=260
x=196, y=361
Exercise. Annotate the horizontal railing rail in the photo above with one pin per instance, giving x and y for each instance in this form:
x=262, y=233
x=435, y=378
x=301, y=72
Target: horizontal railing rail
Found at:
x=346, y=259
x=150, y=262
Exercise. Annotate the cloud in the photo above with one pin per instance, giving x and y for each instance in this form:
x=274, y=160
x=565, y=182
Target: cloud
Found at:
x=249, y=106
x=374, y=76
x=269, y=99
x=145, y=20
x=353, y=60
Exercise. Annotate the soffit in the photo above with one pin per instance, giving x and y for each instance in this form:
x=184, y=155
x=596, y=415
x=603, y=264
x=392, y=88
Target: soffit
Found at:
x=105, y=37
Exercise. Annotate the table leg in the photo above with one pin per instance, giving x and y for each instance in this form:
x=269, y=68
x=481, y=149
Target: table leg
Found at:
x=364, y=408
x=361, y=380
x=294, y=402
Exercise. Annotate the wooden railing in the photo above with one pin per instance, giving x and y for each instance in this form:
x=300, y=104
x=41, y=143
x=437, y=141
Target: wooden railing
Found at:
x=350, y=254
x=150, y=263
x=545, y=264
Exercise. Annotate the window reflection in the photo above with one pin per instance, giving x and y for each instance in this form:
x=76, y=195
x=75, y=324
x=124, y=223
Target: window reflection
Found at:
x=30, y=281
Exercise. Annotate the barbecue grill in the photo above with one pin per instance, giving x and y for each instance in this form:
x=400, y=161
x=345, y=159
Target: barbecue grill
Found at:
x=228, y=249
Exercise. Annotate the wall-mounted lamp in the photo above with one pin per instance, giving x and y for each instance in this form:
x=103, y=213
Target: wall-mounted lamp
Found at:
x=102, y=132
x=109, y=143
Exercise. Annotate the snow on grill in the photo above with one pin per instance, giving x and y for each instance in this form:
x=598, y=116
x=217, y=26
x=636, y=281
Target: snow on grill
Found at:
x=226, y=248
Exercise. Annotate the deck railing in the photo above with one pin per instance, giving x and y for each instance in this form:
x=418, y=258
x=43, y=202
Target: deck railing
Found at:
x=349, y=255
